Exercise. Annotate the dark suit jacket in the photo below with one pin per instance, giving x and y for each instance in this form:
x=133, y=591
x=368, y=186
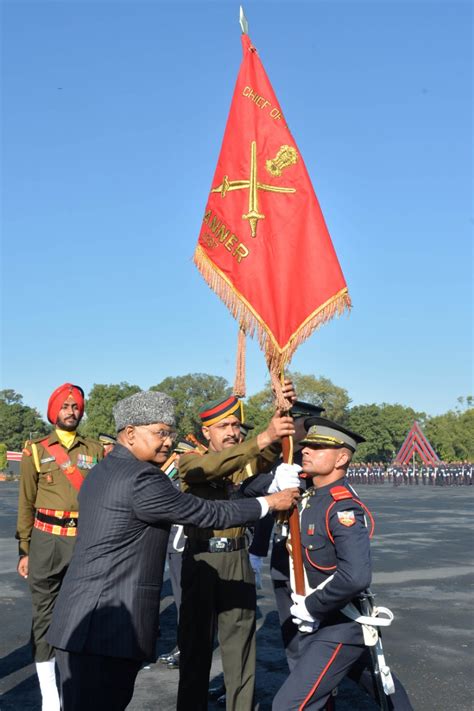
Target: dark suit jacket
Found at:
x=109, y=600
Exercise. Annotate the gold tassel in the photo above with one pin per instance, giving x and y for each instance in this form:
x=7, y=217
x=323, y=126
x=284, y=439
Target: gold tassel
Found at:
x=280, y=400
x=239, y=382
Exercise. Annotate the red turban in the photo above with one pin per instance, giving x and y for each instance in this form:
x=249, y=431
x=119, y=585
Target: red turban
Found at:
x=59, y=397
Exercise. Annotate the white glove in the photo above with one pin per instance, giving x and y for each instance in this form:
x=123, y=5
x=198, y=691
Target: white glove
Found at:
x=286, y=477
x=300, y=615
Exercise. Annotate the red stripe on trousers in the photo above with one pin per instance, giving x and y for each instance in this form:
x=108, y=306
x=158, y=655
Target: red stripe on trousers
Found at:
x=320, y=677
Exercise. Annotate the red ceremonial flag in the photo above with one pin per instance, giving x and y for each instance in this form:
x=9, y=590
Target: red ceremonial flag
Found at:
x=264, y=246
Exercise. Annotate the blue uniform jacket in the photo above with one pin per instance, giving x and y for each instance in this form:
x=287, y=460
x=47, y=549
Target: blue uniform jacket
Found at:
x=335, y=541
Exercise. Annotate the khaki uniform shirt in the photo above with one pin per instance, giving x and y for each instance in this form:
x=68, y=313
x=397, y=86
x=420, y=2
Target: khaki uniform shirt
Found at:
x=217, y=476
x=49, y=488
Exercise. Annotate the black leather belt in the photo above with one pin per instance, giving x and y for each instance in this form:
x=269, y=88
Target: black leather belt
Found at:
x=54, y=521
x=217, y=545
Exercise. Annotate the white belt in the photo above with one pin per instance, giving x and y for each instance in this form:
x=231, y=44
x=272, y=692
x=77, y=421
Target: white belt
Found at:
x=351, y=611
x=372, y=637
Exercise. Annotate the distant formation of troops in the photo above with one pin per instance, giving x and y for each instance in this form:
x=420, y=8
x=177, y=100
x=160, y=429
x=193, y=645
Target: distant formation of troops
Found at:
x=442, y=474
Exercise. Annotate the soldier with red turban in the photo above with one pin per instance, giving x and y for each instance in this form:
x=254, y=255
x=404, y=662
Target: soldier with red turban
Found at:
x=51, y=473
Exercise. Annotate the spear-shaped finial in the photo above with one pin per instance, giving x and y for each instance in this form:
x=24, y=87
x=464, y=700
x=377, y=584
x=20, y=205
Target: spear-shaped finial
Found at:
x=243, y=22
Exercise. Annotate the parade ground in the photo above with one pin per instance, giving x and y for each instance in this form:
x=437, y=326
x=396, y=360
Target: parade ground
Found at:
x=424, y=571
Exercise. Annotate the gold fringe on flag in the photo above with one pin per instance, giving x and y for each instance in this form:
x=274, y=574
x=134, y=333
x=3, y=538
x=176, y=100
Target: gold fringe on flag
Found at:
x=250, y=321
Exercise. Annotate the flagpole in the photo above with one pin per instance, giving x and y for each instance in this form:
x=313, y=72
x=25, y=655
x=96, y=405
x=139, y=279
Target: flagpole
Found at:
x=244, y=25
x=294, y=520
x=222, y=268
x=287, y=440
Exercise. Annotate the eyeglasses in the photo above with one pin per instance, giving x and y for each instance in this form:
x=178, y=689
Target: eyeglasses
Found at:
x=162, y=434
x=165, y=434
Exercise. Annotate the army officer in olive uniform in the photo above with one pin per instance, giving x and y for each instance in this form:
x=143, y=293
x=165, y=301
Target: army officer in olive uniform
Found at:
x=218, y=584
x=51, y=473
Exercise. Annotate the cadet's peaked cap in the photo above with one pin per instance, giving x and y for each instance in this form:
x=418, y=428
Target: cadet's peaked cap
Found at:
x=106, y=439
x=219, y=409
x=245, y=427
x=330, y=434
x=59, y=397
x=144, y=408
x=305, y=409
x=183, y=447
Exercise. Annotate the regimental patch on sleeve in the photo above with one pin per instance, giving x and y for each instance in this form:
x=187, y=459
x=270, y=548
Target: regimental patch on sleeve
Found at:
x=347, y=518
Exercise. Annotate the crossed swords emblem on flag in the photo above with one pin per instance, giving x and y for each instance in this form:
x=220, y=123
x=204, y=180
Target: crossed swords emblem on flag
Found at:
x=285, y=157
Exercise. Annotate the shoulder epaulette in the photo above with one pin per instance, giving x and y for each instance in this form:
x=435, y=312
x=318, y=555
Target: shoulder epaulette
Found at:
x=92, y=440
x=339, y=493
x=38, y=440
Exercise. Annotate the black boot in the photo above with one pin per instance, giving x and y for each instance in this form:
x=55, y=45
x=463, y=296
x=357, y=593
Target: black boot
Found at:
x=173, y=662
x=169, y=656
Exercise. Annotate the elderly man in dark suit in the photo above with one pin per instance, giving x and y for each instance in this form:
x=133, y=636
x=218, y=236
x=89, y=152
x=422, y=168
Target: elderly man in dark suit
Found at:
x=105, y=621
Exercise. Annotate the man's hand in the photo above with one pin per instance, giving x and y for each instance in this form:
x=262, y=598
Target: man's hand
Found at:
x=283, y=500
x=286, y=477
x=279, y=427
x=289, y=391
x=256, y=562
x=300, y=615
x=22, y=567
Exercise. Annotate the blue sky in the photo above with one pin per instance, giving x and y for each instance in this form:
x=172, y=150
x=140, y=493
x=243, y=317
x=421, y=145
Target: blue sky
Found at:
x=112, y=120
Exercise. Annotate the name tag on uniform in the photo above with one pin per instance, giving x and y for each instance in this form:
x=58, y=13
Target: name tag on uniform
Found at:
x=347, y=518
x=86, y=461
x=47, y=459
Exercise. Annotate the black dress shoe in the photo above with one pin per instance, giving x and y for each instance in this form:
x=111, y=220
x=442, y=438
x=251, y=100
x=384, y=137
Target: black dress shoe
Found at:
x=169, y=656
x=174, y=662
x=165, y=658
x=216, y=691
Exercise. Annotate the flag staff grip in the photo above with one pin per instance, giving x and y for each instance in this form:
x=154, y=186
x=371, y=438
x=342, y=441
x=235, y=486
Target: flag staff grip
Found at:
x=294, y=519
x=295, y=533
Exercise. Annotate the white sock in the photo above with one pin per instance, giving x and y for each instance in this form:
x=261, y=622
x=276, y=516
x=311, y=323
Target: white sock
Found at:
x=47, y=682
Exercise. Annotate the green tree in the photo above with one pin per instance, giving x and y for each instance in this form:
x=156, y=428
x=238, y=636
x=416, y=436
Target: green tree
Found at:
x=190, y=393
x=259, y=409
x=384, y=428
x=18, y=422
x=10, y=397
x=452, y=435
x=465, y=403
x=322, y=391
x=99, y=406
x=3, y=457
x=317, y=391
